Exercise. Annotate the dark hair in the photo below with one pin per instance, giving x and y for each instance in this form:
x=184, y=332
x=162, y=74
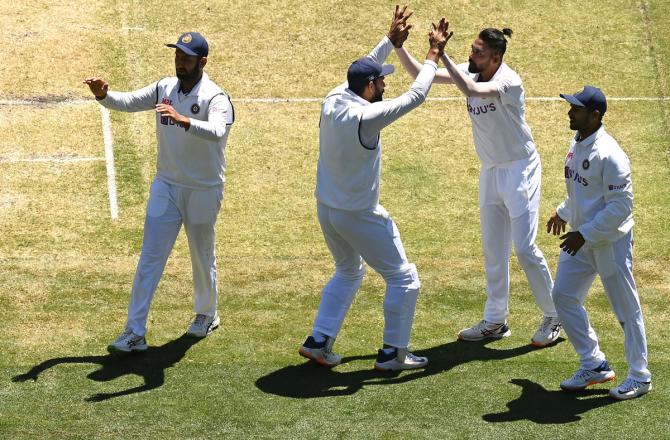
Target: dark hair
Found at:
x=495, y=39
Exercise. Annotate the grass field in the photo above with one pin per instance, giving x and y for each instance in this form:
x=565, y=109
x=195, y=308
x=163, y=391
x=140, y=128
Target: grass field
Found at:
x=66, y=268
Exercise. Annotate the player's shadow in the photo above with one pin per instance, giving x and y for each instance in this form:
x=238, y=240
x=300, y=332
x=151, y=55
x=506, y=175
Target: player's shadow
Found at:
x=309, y=380
x=541, y=406
x=149, y=365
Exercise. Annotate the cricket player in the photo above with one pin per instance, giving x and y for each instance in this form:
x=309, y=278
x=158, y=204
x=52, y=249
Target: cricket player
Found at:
x=355, y=226
x=193, y=120
x=599, y=208
x=509, y=181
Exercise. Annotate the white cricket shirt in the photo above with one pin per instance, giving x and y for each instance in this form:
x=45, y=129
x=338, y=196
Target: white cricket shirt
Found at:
x=499, y=126
x=192, y=158
x=349, y=166
x=600, y=190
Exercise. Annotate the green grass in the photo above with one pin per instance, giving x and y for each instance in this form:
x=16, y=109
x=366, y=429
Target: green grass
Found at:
x=66, y=268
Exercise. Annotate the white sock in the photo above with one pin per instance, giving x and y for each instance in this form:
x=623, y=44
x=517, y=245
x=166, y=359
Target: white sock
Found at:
x=319, y=337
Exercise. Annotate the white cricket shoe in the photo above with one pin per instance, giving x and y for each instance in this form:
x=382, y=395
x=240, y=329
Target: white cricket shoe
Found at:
x=399, y=359
x=547, y=333
x=320, y=352
x=484, y=330
x=583, y=378
x=203, y=325
x=128, y=342
x=630, y=389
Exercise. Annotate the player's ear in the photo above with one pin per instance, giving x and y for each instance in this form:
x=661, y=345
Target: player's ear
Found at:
x=203, y=62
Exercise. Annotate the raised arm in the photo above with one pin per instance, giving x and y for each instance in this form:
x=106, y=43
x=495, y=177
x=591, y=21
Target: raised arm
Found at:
x=412, y=66
x=397, y=35
x=378, y=115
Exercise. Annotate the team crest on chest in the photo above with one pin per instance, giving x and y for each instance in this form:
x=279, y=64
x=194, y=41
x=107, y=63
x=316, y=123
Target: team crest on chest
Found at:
x=195, y=108
x=586, y=164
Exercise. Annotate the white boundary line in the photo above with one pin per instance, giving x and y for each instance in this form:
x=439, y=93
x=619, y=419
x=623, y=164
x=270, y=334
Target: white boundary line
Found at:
x=38, y=103
x=109, y=160
x=51, y=159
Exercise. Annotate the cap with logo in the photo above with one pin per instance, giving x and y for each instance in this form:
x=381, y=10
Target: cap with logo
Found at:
x=192, y=43
x=591, y=97
x=364, y=70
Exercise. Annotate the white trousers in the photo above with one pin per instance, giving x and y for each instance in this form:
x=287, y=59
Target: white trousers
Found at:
x=169, y=207
x=371, y=236
x=509, y=202
x=575, y=274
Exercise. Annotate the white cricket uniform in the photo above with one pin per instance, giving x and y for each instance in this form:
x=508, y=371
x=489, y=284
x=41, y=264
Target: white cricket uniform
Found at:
x=187, y=189
x=600, y=206
x=355, y=226
x=509, y=193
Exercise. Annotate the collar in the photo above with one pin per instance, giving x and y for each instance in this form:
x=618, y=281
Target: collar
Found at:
x=355, y=97
x=495, y=75
x=591, y=138
x=196, y=88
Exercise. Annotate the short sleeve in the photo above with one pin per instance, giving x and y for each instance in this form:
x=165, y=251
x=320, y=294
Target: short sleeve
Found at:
x=510, y=91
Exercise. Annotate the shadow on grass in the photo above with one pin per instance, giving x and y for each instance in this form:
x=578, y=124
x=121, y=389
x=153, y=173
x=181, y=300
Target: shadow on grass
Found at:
x=541, y=406
x=150, y=365
x=310, y=380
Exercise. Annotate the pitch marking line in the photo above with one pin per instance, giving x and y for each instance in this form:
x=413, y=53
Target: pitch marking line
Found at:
x=65, y=102
x=51, y=159
x=109, y=162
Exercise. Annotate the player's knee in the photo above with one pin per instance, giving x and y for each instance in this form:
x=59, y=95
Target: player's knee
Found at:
x=406, y=278
x=529, y=255
x=562, y=299
x=350, y=272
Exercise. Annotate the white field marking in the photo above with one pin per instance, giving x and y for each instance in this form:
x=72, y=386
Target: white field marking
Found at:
x=43, y=103
x=50, y=159
x=28, y=102
x=446, y=99
x=109, y=160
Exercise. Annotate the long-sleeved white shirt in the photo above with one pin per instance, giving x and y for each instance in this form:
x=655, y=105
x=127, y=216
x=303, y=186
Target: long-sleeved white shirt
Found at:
x=193, y=158
x=600, y=190
x=349, y=166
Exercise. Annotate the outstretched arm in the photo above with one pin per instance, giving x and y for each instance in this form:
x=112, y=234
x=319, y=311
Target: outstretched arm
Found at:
x=139, y=100
x=378, y=115
x=412, y=66
x=395, y=37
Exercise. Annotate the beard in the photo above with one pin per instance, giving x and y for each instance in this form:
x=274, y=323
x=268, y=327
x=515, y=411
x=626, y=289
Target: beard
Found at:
x=574, y=125
x=187, y=75
x=378, y=96
x=472, y=67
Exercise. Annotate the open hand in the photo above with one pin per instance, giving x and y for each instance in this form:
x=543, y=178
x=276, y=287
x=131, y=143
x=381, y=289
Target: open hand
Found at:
x=572, y=242
x=399, y=28
x=439, y=35
x=555, y=224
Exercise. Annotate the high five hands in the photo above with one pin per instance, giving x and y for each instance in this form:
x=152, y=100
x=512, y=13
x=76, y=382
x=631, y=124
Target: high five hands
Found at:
x=439, y=36
x=399, y=27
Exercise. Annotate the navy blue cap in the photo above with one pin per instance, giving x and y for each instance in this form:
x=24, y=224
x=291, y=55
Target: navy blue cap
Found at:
x=364, y=70
x=591, y=97
x=192, y=43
